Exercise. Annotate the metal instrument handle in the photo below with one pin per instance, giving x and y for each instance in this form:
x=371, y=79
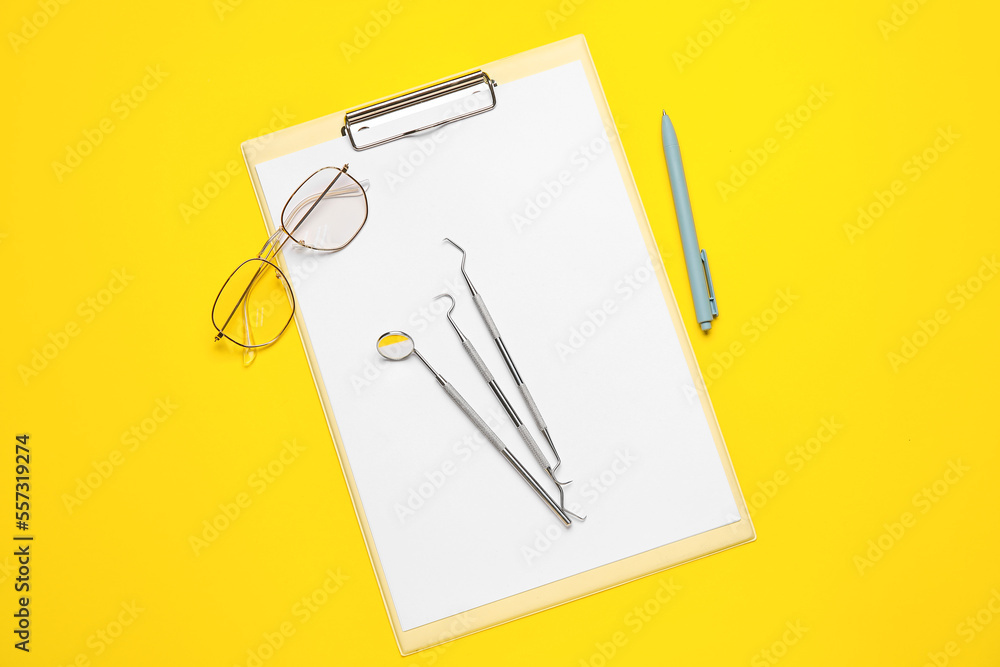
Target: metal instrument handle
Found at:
x=474, y=416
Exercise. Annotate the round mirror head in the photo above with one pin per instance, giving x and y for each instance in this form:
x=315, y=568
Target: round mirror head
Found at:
x=395, y=345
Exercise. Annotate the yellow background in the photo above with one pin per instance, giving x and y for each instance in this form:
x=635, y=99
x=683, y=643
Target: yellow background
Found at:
x=225, y=76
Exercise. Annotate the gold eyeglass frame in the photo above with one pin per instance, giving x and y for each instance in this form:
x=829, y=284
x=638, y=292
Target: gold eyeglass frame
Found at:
x=271, y=248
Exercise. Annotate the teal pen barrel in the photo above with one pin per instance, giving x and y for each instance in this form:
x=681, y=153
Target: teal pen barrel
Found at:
x=685, y=222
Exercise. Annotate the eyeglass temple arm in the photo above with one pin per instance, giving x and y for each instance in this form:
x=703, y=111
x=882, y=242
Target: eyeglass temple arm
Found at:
x=248, y=352
x=333, y=192
x=243, y=300
x=343, y=191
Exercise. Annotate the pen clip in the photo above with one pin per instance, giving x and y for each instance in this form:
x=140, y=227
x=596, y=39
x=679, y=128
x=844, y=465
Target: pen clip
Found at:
x=711, y=288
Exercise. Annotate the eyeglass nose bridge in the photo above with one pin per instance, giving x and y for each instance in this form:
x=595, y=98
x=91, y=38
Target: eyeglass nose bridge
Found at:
x=272, y=243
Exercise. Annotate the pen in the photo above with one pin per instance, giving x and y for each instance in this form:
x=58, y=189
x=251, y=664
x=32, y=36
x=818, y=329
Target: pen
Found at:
x=696, y=259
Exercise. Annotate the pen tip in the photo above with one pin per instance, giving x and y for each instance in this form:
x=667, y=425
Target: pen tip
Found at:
x=664, y=112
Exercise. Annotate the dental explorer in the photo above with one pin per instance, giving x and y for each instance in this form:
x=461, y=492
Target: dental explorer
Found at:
x=481, y=305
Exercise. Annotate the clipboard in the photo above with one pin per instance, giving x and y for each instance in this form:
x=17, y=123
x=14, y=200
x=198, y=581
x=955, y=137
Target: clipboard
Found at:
x=379, y=123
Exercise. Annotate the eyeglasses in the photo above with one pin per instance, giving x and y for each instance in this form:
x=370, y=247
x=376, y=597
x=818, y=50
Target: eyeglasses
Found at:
x=325, y=213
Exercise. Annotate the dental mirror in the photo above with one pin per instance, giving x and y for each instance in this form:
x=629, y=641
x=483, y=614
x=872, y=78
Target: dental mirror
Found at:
x=395, y=345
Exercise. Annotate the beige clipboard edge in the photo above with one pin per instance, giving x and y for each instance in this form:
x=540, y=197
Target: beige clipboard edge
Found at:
x=328, y=127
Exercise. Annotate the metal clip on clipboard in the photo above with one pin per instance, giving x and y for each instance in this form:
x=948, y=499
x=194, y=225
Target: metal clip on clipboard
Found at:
x=420, y=110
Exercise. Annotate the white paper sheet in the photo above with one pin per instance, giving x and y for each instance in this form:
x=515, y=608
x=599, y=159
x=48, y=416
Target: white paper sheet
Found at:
x=532, y=191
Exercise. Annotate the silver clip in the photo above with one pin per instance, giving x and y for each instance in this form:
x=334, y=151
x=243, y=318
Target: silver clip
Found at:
x=711, y=288
x=420, y=110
